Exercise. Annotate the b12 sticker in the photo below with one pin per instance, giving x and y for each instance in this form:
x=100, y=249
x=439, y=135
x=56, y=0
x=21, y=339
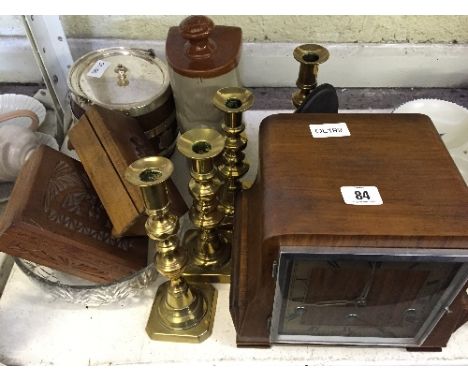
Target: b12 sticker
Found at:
x=98, y=68
x=361, y=195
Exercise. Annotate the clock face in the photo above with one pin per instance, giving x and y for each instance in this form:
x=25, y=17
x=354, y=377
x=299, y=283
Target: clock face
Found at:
x=361, y=299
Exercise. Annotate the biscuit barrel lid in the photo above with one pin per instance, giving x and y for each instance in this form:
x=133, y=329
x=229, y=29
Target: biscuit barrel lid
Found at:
x=199, y=49
x=132, y=81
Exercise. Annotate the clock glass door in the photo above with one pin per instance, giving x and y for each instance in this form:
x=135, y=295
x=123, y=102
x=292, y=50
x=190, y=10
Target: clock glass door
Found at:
x=361, y=299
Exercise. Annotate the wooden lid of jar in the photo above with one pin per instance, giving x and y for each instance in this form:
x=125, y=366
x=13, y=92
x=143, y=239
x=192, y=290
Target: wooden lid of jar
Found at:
x=199, y=49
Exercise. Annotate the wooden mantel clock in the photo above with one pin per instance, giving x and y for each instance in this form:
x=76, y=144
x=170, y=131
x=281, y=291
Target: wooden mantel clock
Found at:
x=357, y=236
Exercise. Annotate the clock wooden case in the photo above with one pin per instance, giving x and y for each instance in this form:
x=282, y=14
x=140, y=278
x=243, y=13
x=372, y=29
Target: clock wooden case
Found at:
x=309, y=268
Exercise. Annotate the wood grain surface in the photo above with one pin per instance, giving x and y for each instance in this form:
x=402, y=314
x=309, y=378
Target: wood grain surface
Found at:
x=55, y=218
x=106, y=143
x=296, y=201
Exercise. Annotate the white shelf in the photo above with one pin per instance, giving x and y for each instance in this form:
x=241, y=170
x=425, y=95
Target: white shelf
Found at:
x=37, y=329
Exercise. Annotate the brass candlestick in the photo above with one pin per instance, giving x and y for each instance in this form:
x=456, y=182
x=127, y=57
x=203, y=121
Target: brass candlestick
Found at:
x=180, y=312
x=233, y=102
x=310, y=56
x=209, y=249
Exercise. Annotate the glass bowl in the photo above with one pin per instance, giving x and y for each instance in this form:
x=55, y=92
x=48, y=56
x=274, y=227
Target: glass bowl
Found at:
x=79, y=291
x=76, y=290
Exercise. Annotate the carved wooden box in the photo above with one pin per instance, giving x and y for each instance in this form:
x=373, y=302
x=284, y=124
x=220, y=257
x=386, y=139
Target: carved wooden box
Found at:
x=107, y=142
x=55, y=218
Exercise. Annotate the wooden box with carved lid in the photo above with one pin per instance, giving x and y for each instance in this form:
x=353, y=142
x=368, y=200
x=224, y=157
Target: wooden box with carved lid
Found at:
x=355, y=237
x=55, y=218
x=106, y=143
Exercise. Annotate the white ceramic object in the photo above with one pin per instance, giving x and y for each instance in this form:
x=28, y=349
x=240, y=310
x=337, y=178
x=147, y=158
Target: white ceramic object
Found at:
x=47, y=140
x=68, y=151
x=460, y=157
x=16, y=145
x=14, y=102
x=450, y=119
x=462, y=165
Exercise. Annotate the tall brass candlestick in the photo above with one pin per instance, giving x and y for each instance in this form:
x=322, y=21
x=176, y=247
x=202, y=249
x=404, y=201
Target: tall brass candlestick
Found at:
x=310, y=56
x=180, y=312
x=232, y=165
x=209, y=248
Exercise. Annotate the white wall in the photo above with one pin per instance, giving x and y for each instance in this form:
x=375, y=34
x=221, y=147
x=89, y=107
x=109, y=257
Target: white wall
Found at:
x=340, y=29
x=366, y=51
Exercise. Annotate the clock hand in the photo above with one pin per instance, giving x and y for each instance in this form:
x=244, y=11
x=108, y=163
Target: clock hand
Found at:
x=333, y=303
x=361, y=300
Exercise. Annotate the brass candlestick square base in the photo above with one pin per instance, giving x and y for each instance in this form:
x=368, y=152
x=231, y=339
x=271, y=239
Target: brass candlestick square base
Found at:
x=198, y=271
x=158, y=331
x=198, y=274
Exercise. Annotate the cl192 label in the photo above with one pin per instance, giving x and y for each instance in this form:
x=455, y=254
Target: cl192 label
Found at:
x=329, y=130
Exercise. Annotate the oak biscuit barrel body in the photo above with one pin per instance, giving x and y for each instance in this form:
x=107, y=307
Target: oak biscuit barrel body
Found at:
x=131, y=81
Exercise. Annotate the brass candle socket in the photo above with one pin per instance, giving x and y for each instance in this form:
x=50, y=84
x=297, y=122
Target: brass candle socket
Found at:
x=232, y=166
x=310, y=56
x=209, y=248
x=180, y=312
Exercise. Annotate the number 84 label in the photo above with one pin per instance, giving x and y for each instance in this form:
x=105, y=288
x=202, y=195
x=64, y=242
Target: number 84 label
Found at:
x=361, y=195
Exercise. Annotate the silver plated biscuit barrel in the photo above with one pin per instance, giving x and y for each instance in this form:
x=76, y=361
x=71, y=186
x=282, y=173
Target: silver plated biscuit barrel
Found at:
x=131, y=81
